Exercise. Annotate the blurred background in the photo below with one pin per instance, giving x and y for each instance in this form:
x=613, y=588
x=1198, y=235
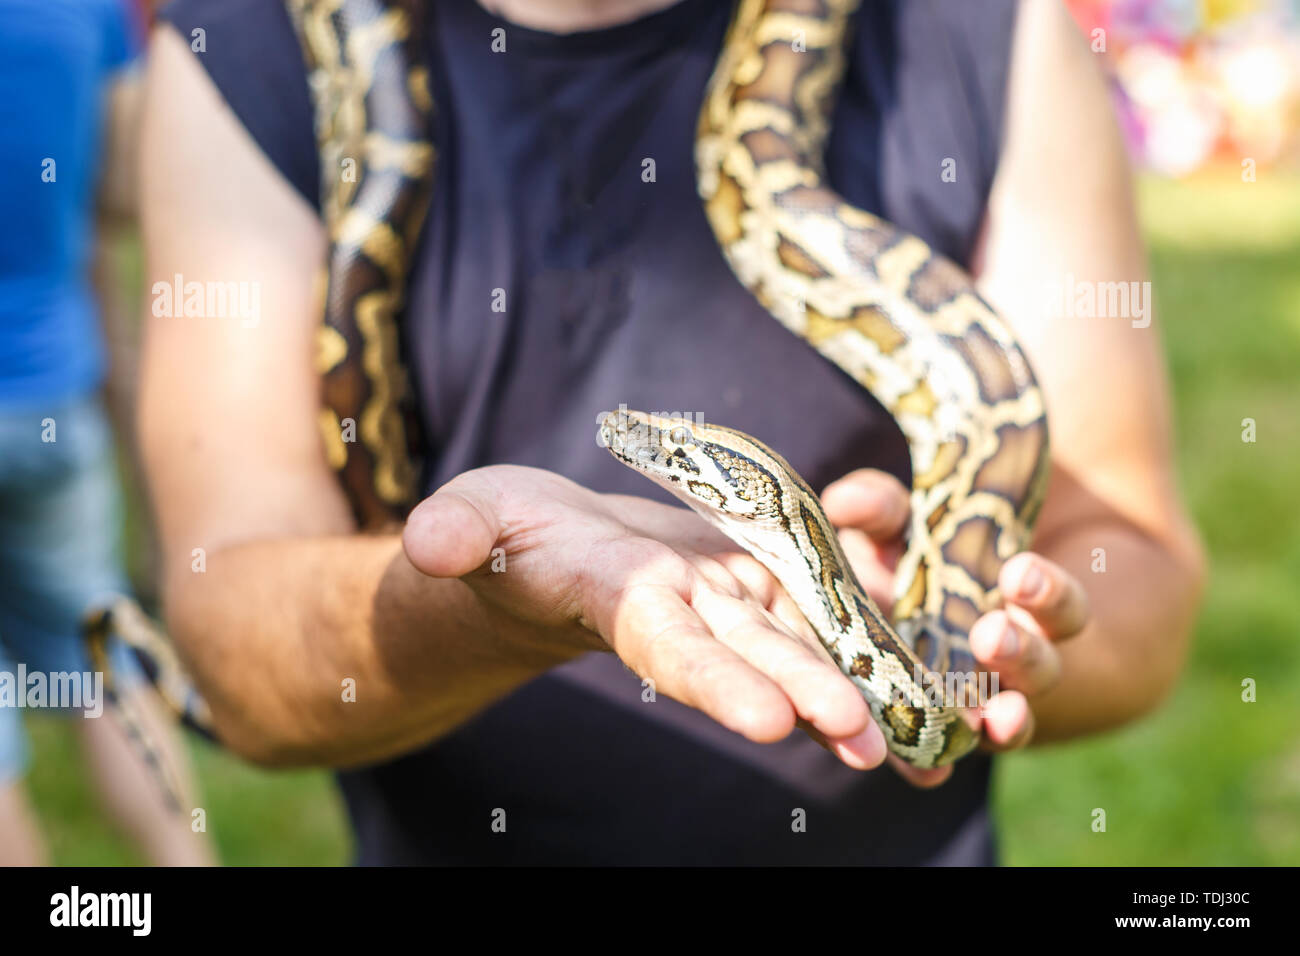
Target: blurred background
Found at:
x=1208, y=93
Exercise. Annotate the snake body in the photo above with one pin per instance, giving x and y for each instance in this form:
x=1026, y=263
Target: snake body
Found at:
x=900, y=320
x=903, y=322
x=373, y=116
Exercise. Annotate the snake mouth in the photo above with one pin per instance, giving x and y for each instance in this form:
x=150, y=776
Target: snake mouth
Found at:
x=643, y=457
x=634, y=440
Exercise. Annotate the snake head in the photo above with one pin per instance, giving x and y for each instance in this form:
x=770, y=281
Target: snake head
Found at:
x=723, y=474
x=642, y=441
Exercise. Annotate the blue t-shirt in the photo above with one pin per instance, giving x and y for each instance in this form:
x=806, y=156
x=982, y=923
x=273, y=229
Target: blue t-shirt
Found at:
x=617, y=292
x=56, y=57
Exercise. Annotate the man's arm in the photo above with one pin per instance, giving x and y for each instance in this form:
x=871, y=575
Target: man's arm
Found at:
x=1062, y=212
x=291, y=601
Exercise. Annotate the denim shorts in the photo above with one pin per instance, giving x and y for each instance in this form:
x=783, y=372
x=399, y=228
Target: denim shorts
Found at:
x=60, y=517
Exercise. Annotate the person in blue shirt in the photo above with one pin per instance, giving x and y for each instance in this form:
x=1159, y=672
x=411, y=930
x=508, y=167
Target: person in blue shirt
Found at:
x=66, y=142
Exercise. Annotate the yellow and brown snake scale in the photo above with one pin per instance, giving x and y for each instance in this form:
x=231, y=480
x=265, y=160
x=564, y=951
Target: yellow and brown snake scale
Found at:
x=373, y=108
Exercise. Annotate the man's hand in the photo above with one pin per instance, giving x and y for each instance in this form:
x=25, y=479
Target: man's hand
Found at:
x=1043, y=604
x=671, y=596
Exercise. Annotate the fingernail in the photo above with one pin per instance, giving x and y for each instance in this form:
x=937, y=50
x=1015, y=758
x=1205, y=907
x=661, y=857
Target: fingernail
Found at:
x=863, y=751
x=1009, y=643
x=1032, y=582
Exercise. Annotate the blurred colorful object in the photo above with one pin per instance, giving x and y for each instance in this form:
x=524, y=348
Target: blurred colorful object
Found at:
x=1202, y=82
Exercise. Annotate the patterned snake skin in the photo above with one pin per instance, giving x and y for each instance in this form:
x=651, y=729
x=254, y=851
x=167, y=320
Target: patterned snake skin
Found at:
x=373, y=109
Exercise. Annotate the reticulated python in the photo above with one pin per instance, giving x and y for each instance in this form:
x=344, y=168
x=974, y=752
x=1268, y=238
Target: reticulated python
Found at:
x=900, y=320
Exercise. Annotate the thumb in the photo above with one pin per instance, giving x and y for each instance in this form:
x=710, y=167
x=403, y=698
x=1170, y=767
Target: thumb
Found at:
x=453, y=532
x=873, y=502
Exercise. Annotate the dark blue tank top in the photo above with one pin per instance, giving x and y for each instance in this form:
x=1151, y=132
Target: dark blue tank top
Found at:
x=616, y=292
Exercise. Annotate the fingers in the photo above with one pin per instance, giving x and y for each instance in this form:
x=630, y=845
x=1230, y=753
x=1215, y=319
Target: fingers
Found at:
x=639, y=600
x=453, y=532
x=873, y=563
x=1011, y=645
x=1049, y=593
x=871, y=501
x=1044, y=604
x=870, y=509
x=819, y=693
x=663, y=639
x=716, y=573
x=770, y=632
x=743, y=577
x=866, y=751
x=782, y=644
x=705, y=642
x=1008, y=721
x=757, y=580
x=925, y=779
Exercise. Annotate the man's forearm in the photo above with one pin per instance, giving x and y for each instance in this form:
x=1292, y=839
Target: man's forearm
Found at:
x=1132, y=649
x=337, y=651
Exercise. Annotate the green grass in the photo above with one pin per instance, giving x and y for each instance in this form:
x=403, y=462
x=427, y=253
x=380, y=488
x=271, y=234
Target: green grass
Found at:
x=256, y=817
x=1208, y=779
